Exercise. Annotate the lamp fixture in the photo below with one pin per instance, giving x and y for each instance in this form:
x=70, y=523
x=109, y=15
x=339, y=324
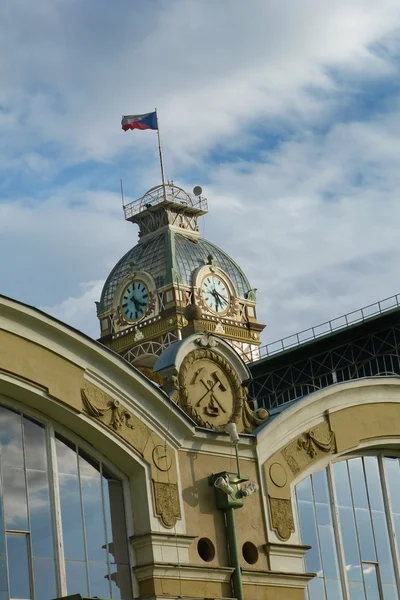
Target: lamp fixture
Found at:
x=222, y=484
x=231, y=429
x=250, y=489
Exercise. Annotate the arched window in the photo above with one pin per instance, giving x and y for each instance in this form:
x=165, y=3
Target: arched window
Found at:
x=349, y=513
x=62, y=519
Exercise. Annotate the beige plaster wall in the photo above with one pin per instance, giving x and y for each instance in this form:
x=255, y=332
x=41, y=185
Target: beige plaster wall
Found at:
x=44, y=368
x=202, y=517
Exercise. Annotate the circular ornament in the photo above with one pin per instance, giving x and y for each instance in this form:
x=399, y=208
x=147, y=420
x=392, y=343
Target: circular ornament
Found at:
x=278, y=475
x=211, y=392
x=162, y=458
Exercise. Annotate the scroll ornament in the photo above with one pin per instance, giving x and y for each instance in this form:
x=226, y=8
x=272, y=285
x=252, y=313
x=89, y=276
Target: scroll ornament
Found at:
x=118, y=416
x=311, y=444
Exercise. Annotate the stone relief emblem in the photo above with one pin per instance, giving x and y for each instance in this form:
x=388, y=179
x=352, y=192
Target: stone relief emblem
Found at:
x=209, y=389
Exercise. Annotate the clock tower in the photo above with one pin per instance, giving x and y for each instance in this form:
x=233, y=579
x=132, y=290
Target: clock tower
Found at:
x=174, y=283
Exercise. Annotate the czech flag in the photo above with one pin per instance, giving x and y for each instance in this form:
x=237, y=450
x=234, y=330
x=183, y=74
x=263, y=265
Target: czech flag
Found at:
x=147, y=121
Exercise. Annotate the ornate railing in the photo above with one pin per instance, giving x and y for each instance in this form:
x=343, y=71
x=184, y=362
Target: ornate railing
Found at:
x=356, y=316
x=168, y=193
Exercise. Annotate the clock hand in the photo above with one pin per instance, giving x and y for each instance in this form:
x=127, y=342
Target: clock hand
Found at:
x=223, y=297
x=217, y=301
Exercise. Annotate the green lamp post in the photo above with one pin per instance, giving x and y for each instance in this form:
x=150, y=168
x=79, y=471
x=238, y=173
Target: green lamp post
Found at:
x=230, y=494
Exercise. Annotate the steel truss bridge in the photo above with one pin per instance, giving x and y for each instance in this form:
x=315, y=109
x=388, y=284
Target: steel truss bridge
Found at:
x=367, y=348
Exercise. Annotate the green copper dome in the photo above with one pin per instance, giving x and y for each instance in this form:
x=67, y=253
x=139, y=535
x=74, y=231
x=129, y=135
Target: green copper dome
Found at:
x=170, y=252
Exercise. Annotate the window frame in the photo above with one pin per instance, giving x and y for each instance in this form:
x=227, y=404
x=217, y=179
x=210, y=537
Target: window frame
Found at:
x=380, y=454
x=51, y=428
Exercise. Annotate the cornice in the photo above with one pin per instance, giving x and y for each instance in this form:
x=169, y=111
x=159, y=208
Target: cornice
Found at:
x=221, y=575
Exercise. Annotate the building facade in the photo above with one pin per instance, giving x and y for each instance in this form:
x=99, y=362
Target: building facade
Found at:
x=216, y=477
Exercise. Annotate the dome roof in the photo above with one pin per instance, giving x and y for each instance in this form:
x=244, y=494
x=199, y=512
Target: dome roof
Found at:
x=154, y=257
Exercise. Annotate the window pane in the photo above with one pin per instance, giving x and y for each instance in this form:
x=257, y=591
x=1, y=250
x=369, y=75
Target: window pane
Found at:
x=76, y=578
x=18, y=566
x=115, y=520
x=71, y=516
x=99, y=580
x=3, y=575
x=94, y=518
x=365, y=537
x=373, y=482
x=11, y=438
x=383, y=547
x=320, y=487
x=358, y=486
x=324, y=516
x=396, y=518
x=371, y=582
x=15, y=504
x=350, y=544
x=309, y=537
x=356, y=590
x=393, y=476
x=67, y=458
x=45, y=578
x=328, y=551
x=2, y=530
x=40, y=513
x=389, y=592
x=303, y=490
x=35, y=445
x=333, y=589
x=316, y=589
x=342, y=484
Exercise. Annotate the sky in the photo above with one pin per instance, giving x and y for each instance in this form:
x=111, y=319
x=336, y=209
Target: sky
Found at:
x=286, y=113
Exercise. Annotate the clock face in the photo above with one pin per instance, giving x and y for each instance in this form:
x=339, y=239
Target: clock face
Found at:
x=135, y=300
x=215, y=294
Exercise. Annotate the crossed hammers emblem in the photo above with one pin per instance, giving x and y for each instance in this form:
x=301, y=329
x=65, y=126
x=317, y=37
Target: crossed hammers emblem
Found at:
x=212, y=385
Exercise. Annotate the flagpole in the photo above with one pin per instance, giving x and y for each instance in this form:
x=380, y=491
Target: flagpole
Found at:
x=161, y=158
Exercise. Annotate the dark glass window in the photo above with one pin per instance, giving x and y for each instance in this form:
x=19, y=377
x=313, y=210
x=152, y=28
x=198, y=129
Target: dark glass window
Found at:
x=351, y=553
x=92, y=534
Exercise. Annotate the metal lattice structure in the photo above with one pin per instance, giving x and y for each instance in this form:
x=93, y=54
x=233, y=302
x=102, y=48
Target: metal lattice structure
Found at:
x=170, y=195
x=368, y=349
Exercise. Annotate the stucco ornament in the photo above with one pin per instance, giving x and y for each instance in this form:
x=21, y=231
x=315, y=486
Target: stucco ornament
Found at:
x=166, y=501
x=310, y=446
x=210, y=390
x=116, y=417
x=281, y=517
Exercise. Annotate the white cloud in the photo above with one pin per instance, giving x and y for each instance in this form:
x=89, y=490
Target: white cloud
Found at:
x=79, y=310
x=294, y=90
